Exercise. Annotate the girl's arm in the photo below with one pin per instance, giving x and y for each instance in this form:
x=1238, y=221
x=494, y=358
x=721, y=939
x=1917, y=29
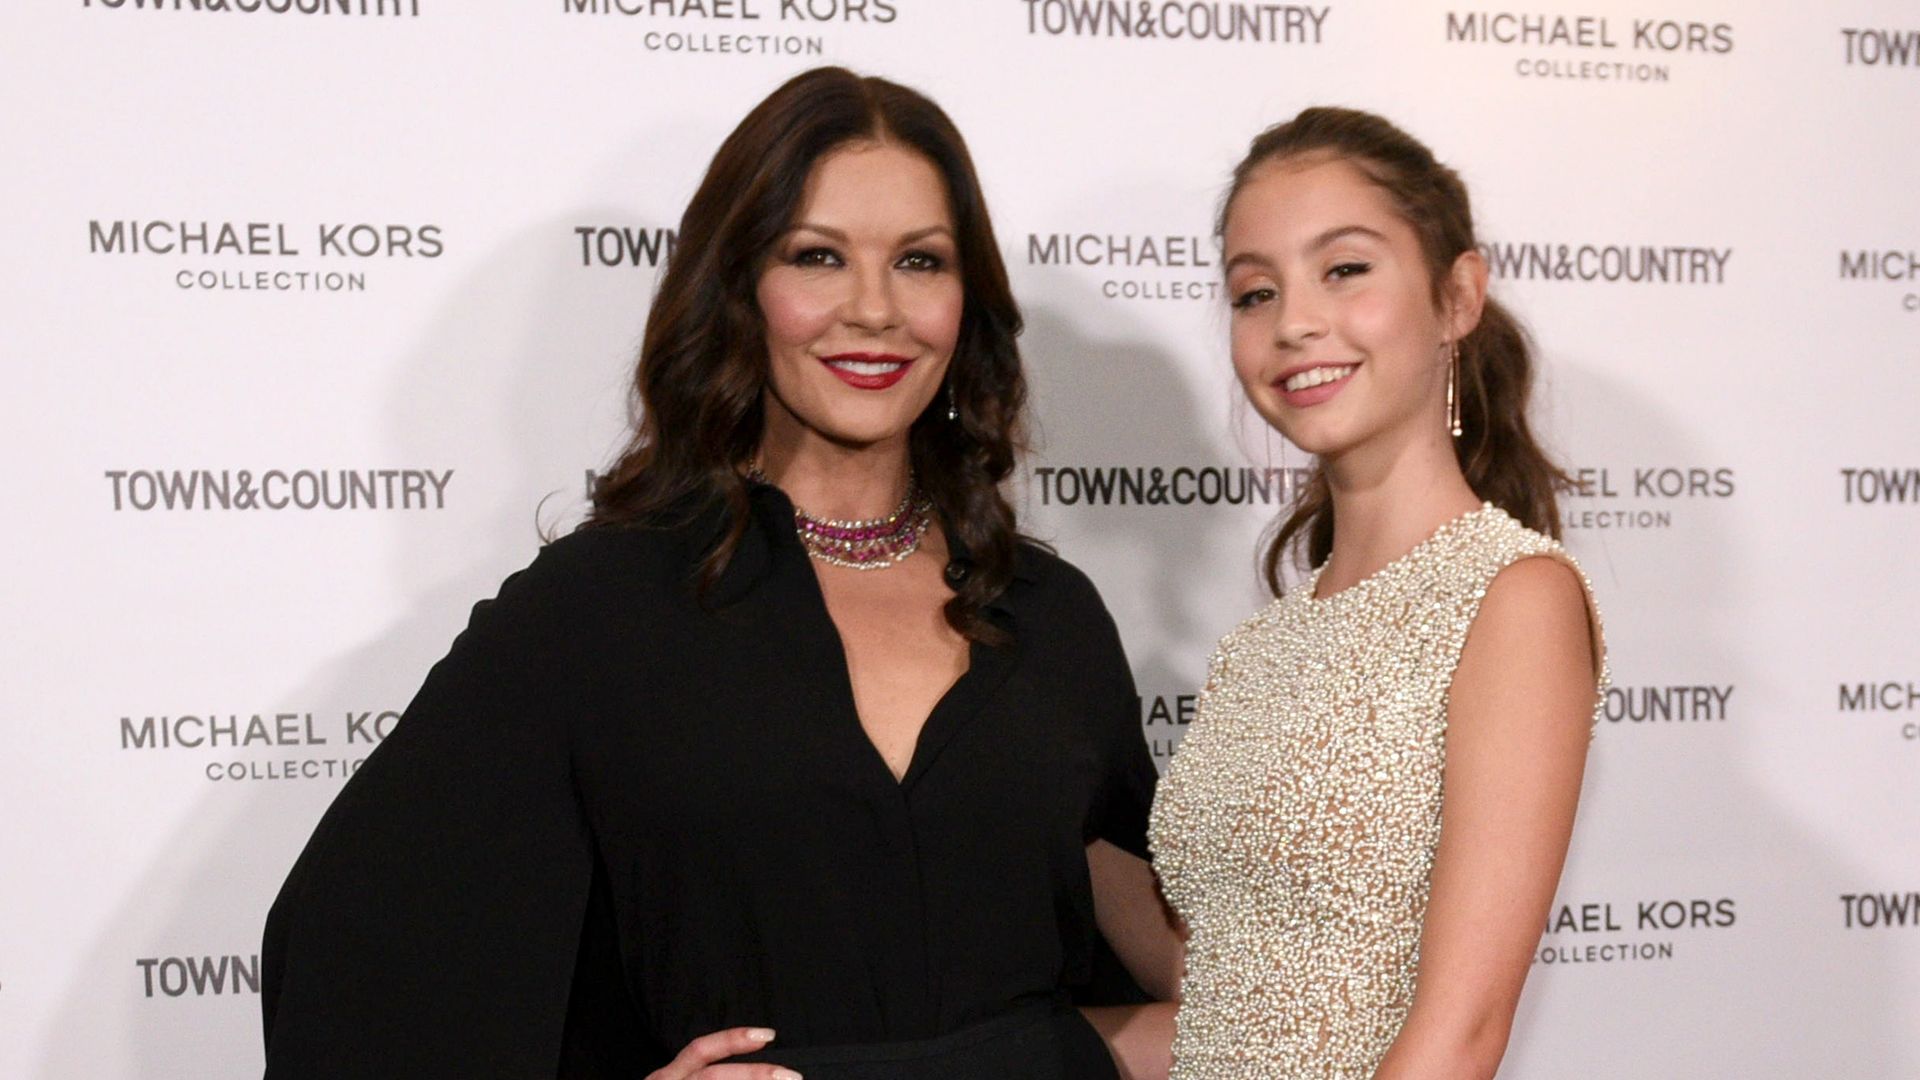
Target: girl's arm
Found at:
x=1518, y=726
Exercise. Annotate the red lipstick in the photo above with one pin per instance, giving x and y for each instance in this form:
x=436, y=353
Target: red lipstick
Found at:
x=868, y=371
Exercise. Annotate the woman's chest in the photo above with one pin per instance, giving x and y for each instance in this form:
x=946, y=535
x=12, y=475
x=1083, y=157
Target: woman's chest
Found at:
x=729, y=748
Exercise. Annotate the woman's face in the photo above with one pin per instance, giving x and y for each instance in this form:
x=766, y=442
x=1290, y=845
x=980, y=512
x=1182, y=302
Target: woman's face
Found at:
x=1335, y=334
x=862, y=297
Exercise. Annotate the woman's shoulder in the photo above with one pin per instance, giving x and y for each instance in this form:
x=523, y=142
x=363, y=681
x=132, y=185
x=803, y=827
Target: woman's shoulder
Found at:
x=580, y=579
x=644, y=553
x=598, y=551
x=1042, y=570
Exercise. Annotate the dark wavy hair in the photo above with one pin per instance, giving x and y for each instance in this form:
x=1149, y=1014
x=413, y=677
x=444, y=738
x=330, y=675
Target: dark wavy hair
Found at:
x=700, y=385
x=1503, y=462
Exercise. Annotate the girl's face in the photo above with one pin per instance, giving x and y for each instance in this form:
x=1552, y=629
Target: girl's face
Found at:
x=862, y=298
x=1335, y=334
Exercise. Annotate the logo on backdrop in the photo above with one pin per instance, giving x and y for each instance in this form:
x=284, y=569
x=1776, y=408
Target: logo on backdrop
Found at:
x=1664, y=706
x=1164, y=719
x=1875, y=911
x=1595, y=48
x=1890, y=265
x=1640, y=496
x=1633, y=931
x=1136, y=266
x=1168, y=485
x=1636, y=264
x=227, y=256
x=335, y=8
x=279, y=489
x=199, y=976
x=1882, y=48
x=1880, y=484
x=625, y=245
x=1895, y=701
x=232, y=747
x=740, y=27
x=1179, y=20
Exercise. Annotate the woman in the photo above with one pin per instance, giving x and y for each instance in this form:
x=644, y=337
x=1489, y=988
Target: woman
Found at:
x=795, y=732
x=1439, y=665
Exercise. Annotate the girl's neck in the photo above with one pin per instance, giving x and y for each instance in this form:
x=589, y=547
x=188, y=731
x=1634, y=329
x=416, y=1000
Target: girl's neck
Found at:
x=1386, y=503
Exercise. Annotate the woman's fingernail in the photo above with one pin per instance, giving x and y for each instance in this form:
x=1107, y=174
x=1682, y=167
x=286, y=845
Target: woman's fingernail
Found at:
x=760, y=1034
x=786, y=1074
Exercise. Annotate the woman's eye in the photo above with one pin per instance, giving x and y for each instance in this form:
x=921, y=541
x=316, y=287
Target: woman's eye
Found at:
x=920, y=260
x=1252, y=297
x=816, y=256
x=1348, y=269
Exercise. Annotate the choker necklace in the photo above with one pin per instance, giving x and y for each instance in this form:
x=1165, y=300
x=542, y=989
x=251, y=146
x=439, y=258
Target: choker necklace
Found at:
x=874, y=544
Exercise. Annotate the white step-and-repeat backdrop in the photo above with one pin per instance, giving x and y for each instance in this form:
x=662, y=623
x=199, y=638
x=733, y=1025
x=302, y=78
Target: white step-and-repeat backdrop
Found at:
x=315, y=310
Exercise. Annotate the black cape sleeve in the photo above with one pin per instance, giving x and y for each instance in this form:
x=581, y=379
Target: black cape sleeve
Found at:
x=1126, y=794
x=431, y=925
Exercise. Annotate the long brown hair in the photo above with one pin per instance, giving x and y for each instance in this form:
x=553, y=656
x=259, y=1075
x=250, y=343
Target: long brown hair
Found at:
x=1503, y=462
x=700, y=382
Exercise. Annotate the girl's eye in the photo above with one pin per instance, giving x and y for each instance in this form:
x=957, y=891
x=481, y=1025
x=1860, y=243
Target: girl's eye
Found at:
x=920, y=260
x=816, y=256
x=1349, y=269
x=1252, y=297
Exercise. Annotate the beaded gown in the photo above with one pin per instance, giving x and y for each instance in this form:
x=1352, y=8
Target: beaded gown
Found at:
x=1295, y=829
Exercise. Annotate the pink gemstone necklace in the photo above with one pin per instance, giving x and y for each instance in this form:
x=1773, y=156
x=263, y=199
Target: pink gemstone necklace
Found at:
x=874, y=544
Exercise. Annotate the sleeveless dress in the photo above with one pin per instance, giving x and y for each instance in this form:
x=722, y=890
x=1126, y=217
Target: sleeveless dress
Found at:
x=1294, y=831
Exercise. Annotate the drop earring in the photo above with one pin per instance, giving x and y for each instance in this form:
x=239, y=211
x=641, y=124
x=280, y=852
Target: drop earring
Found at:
x=1453, y=393
x=953, y=410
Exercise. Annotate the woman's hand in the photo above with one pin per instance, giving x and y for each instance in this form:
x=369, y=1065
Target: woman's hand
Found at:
x=697, y=1060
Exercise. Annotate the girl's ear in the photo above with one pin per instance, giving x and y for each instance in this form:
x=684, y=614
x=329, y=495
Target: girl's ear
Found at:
x=1465, y=294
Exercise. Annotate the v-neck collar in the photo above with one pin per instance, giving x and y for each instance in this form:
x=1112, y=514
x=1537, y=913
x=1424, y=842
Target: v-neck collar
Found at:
x=770, y=549
x=987, y=669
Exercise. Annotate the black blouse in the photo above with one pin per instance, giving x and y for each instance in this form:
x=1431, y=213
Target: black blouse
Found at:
x=619, y=815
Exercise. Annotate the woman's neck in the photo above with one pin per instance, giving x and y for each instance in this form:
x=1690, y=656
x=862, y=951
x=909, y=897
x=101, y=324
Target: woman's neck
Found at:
x=1386, y=501
x=830, y=480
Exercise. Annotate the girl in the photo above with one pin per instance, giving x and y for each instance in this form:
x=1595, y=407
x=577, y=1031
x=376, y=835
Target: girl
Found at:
x=1439, y=665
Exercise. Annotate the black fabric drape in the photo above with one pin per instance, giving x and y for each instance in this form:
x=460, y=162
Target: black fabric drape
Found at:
x=620, y=814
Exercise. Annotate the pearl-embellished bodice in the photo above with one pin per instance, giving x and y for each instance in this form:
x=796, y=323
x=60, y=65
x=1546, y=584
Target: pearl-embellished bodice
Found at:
x=1295, y=829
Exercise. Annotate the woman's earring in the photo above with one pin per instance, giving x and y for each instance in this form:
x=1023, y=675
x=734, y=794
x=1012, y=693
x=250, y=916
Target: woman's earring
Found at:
x=1453, y=393
x=953, y=410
